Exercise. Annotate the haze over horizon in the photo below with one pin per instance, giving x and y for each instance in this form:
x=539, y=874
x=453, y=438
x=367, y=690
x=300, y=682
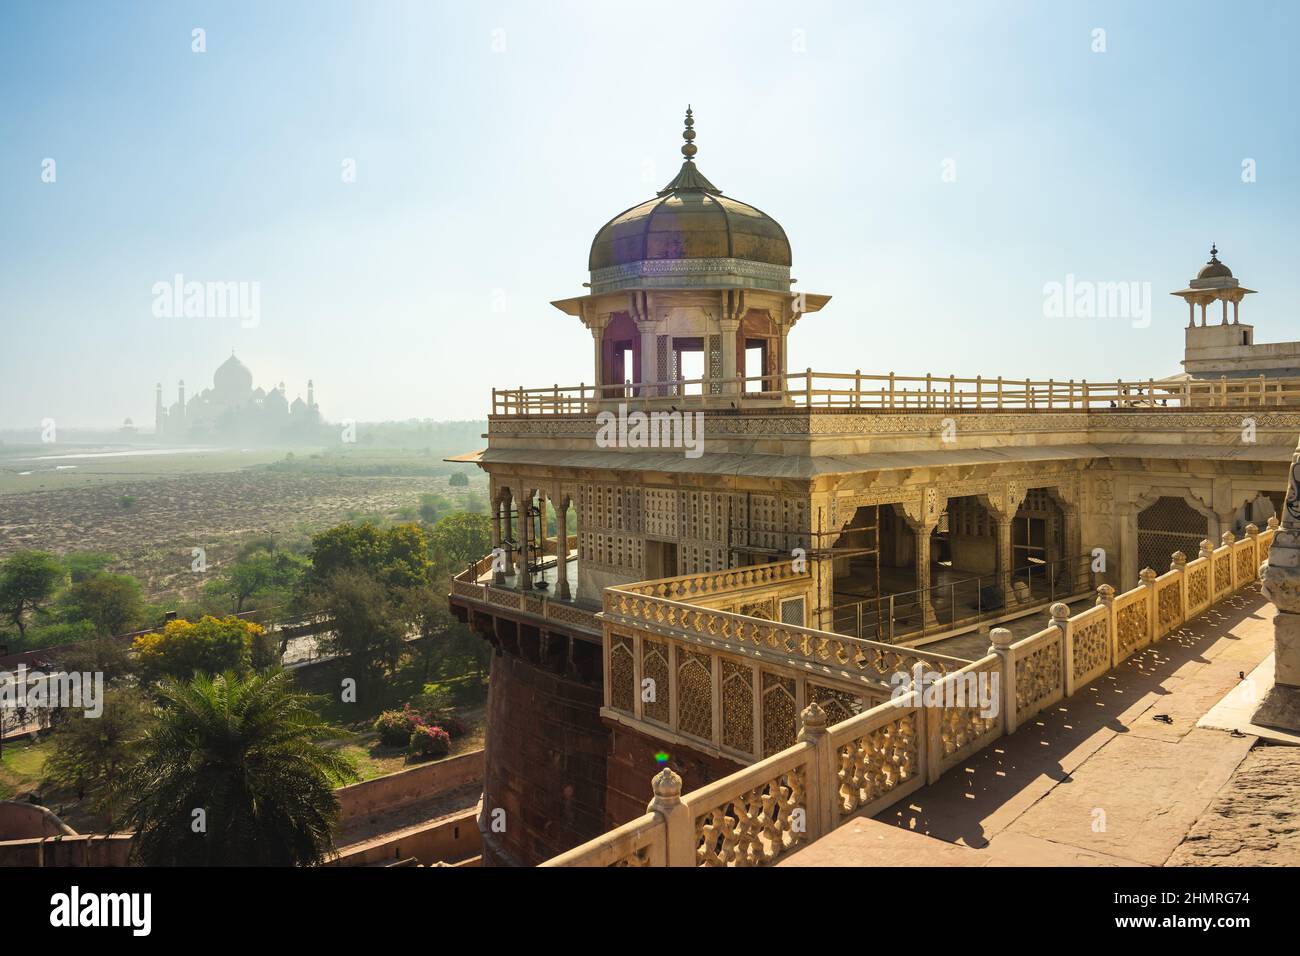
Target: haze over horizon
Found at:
x=414, y=290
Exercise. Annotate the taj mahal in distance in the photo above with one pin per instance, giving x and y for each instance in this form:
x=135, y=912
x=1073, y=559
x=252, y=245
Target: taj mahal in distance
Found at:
x=233, y=409
x=597, y=436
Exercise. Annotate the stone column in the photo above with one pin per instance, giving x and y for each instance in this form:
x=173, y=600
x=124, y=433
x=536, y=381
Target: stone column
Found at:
x=523, y=579
x=649, y=371
x=1281, y=577
x=541, y=525
x=1004, y=524
x=561, y=505
x=729, y=329
x=598, y=335
x=923, y=532
x=498, y=575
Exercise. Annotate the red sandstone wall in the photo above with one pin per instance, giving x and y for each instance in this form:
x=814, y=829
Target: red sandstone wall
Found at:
x=632, y=765
x=406, y=786
x=455, y=838
x=545, y=763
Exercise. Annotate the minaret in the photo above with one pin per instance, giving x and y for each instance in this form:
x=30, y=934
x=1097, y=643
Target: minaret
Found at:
x=180, y=398
x=311, y=395
x=158, y=414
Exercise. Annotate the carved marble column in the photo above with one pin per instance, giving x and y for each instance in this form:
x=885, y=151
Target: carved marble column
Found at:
x=525, y=501
x=1281, y=585
x=729, y=329
x=498, y=575
x=541, y=531
x=1005, y=557
x=561, y=505
x=923, y=533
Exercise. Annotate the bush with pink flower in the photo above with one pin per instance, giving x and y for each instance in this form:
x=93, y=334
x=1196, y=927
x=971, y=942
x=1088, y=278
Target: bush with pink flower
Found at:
x=429, y=741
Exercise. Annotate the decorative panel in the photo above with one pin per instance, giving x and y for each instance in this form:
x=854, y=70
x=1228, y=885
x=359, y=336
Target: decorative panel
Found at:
x=780, y=721
x=622, y=680
x=655, y=699
x=737, y=706
x=694, y=693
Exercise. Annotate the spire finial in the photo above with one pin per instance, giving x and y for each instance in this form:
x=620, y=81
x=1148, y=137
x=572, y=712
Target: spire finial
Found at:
x=689, y=149
x=1214, y=252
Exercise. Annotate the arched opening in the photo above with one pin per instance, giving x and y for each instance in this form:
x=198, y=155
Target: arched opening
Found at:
x=620, y=355
x=893, y=582
x=1040, y=568
x=1167, y=525
x=756, y=348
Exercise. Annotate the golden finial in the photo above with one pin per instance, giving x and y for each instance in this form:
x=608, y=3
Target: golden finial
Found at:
x=689, y=149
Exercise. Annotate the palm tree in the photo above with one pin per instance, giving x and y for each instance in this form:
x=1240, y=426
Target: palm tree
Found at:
x=232, y=775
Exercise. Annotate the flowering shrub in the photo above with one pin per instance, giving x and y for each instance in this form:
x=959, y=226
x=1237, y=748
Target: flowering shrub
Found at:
x=429, y=742
x=394, y=728
x=397, y=728
x=454, y=726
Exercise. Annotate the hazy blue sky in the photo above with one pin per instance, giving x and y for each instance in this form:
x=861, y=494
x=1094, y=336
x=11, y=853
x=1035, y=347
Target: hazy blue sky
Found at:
x=480, y=169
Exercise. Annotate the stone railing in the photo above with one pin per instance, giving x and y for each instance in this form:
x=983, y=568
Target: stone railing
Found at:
x=795, y=644
x=861, y=765
x=717, y=582
x=536, y=603
x=889, y=392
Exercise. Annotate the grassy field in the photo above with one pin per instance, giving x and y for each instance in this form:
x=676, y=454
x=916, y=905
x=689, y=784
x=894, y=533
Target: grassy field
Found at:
x=150, y=512
x=21, y=766
x=57, y=467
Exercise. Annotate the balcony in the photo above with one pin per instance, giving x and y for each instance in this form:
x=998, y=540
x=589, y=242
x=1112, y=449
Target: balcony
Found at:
x=856, y=391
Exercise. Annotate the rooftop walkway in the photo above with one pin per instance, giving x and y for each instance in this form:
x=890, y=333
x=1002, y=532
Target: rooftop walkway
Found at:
x=1118, y=774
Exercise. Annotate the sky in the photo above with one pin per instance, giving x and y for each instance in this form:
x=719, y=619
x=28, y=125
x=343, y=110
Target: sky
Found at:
x=936, y=167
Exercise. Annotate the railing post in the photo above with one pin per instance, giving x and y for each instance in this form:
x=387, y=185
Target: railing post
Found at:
x=1087, y=405
x=891, y=389
x=1207, y=552
x=857, y=388
x=1106, y=598
x=1001, y=640
x=822, y=786
x=1227, y=540
x=679, y=828
x=1252, y=532
x=1147, y=579
x=979, y=386
x=999, y=392
x=1059, y=613
x=1178, y=562
x=807, y=389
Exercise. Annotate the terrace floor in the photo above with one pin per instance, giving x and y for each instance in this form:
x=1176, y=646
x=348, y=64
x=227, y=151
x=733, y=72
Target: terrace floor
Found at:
x=1119, y=774
x=549, y=574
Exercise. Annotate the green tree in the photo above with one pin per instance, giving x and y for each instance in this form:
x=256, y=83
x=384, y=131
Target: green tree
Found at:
x=112, y=602
x=431, y=506
x=92, y=755
x=83, y=564
x=368, y=624
x=97, y=655
x=260, y=572
x=460, y=539
x=207, y=646
x=458, y=480
x=398, y=556
x=246, y=753
x=28, y=579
